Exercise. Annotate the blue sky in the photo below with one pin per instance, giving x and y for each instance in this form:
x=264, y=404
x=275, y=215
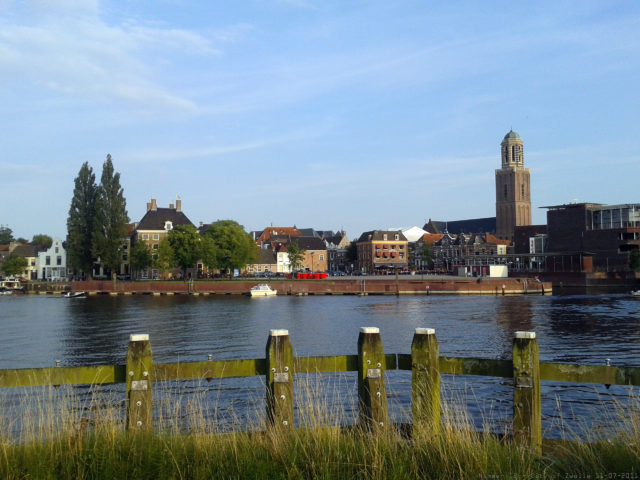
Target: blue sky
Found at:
x=324, y=114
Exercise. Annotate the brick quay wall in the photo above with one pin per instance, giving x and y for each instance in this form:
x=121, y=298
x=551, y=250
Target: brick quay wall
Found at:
x=350, y=286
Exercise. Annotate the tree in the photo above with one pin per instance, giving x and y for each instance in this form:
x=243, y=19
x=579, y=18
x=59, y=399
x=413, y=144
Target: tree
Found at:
x=81, y=220
x=233, y=247
x=6, y=236
x=22, y=241
x=208, y=252
x=111, y=218
x=634, y=260
x=14, y=265
x=424, y=254
x=164, y=258
x=296, y=255
x=185, y=242
x=42, y=240
x=351, y=253
x=140, y=257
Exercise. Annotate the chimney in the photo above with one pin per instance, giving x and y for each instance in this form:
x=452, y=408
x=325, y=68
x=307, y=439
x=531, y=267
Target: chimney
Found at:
x=154, y=205
x=178, y=205
x=148, y=206
x=171, y=206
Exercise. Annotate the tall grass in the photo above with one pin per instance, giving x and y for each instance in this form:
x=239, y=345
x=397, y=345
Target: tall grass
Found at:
x=64, y=433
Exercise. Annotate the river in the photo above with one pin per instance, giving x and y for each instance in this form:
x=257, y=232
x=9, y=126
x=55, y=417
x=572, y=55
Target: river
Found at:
x=591, y=329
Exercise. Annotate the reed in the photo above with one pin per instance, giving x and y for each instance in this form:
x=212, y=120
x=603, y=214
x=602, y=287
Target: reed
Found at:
x=72, y=433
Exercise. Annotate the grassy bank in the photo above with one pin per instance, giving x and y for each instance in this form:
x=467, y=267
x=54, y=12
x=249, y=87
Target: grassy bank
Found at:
x=57, y=439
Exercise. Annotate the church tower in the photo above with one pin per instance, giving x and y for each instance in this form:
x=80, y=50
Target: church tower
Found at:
x=513, y=195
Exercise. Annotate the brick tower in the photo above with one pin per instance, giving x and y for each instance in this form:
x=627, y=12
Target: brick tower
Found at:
x=513, y=195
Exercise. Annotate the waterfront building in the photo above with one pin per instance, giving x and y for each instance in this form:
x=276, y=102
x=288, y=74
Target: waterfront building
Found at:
x=52, y=263
x=266, y=263
x=513, y=194
x=595, y=236
x=336, y=250
x=155, y=226
x=382, y=251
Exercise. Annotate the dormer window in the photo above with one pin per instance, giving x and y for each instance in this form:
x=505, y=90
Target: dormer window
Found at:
x=168, y=225
x=384, y=236
x=397, y=237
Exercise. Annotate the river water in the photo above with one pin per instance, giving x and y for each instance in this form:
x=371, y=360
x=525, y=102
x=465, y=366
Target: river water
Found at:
x=38, y=330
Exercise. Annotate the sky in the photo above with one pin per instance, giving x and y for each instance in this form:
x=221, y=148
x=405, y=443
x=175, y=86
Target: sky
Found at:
x=320, y=114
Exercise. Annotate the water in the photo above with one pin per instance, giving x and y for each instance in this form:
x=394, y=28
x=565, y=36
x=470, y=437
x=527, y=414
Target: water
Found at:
x=38, y=330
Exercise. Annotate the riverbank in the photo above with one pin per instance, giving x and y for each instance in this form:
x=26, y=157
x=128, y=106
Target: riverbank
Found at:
x=351, y=286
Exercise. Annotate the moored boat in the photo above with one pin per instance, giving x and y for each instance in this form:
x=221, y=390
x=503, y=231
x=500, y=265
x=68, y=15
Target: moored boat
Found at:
x=262, y=290
x=9, y=287
x=75, y=295
x=635, y=293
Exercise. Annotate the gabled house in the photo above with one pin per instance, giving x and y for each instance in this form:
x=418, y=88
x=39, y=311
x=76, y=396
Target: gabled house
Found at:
x=52, y=263
x=336, y=249
x=30, y=254
x=266, y=263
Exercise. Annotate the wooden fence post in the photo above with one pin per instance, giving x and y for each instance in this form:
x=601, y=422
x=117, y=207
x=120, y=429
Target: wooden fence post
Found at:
x=280, y=380
x=372, y=395
x=425, y=382
x=527, y=414
x=139, y=393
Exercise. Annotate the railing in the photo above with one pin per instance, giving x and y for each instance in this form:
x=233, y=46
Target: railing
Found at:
x=280, y=366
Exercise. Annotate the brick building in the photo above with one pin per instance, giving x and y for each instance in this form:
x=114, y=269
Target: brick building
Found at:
x=381, y=251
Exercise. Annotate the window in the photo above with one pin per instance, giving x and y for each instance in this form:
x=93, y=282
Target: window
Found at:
x=321, y=257
x=48, y=260
x=58, y=260
x=155, y=246
x=156, y=236
x=154, y=256
x=124, y=257
x=168, y=225
x=384, y=236
x=505, y=191
x=144, y=236
x=401, y=255
x=56, y=249
x=397, y=237
x=522, y=190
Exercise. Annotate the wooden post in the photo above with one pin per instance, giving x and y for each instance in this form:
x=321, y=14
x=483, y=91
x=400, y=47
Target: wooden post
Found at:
x=139, y=394
x=279, y=380
x=527, y=414
x=425, y=381
x=372, y=395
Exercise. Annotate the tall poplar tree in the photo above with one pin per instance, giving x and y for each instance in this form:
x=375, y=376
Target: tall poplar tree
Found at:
x=111, y=218
x=81, y=221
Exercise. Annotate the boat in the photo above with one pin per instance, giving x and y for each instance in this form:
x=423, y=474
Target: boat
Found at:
x=75, y=295
x=262, y=290
x=635, y=293
x=9, y=287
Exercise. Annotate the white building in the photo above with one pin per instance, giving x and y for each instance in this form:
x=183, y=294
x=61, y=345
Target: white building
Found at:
x=52, y=263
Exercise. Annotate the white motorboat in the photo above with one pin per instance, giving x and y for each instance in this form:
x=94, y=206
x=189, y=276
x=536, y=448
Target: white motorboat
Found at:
x=635, y=293
x=9, y=287
x=75, y=295
x=262, y=290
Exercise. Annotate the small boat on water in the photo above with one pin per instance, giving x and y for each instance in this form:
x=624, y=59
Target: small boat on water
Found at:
x=262, y=290
x=75, y=295
x=9, y=287
x=635, y=293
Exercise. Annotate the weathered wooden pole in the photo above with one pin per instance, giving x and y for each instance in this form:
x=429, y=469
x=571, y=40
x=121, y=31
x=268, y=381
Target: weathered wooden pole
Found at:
x=425, y=381
x=527, y=413
x=372, y=395
x=279, y=380
x=139, y=393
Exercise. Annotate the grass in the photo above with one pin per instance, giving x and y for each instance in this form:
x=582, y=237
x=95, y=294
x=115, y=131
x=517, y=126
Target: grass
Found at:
x=63, y=433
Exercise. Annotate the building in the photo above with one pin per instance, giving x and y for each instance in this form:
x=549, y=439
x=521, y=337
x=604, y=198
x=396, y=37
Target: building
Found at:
x=336, y=250
x=155, y=226
x=471, y=225
x=382, y=251
x=30, y=254
x=513, y=194
x=453, y=251
x=315, y=255
x=52, y=263
x=605, y=234
x=266, y=263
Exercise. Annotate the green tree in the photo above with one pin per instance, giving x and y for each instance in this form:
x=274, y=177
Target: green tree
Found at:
x=14, y=265
x=296, y=255
x=234, y=248
x=634, y=260
x=81, y=220
x=351, y=253
x=208, y=252
x=425, y=255
x=164, y=258
x=111, y=218
x=6, y=235
x=140, y=257
x=185, y=242
x=42, y=240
